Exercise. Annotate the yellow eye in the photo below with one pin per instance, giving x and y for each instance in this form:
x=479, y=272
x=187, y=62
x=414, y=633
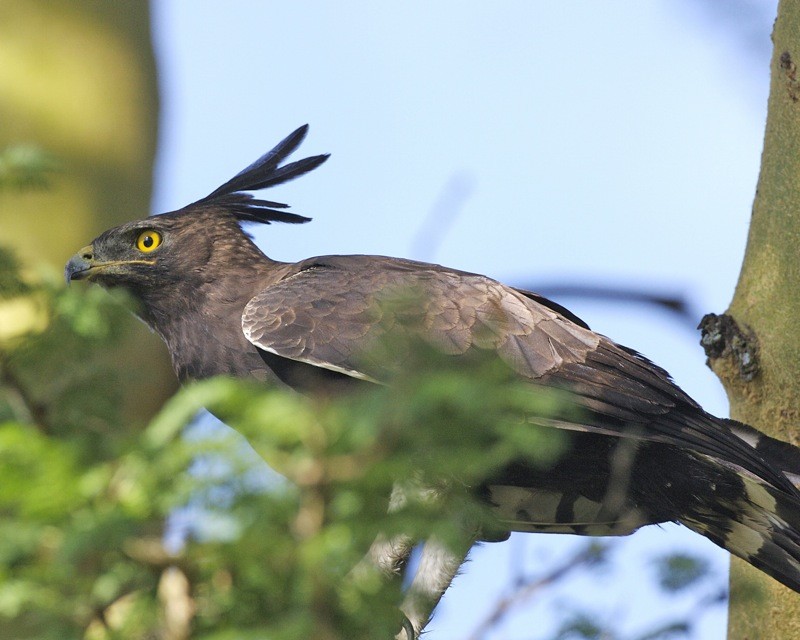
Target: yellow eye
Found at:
x=148, y=241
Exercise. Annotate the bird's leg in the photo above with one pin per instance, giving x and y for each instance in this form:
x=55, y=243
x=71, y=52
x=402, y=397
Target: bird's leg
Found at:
x=438, y=565
x=390, y=555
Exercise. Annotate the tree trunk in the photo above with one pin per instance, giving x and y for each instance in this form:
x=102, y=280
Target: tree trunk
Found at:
x=758, y=358
x=78, y=80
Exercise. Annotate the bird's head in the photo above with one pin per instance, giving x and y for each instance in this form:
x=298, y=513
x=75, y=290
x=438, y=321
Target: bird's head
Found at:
x=155, y=251
x=178, y=246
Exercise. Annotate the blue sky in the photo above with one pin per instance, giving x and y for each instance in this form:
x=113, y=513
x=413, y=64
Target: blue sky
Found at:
x=536, y=142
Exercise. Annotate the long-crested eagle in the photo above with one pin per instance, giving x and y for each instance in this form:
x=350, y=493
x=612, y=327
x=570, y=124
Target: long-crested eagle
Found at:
x=223, y=307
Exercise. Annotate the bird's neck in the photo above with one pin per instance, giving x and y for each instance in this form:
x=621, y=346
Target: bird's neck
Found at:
x=200, y=320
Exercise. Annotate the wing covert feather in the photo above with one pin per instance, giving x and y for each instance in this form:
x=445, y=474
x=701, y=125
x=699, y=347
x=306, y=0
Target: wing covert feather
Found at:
x=333, y=312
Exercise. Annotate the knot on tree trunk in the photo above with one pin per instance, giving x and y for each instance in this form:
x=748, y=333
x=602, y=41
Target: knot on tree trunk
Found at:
x=722, y=337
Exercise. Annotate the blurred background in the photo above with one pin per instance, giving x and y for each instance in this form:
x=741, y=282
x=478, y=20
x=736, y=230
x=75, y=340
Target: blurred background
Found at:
x=552, y=146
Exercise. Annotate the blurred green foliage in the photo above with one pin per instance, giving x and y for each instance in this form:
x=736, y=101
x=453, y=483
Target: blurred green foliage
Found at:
x=25, y=166
x=678, y=571
x=586, y=627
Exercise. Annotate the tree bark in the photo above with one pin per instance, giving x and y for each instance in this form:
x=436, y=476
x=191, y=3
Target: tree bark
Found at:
x=758, y=358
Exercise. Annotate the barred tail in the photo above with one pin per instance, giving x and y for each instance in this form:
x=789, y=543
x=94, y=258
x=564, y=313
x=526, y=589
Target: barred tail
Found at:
x=782, y=455
x=761, y=525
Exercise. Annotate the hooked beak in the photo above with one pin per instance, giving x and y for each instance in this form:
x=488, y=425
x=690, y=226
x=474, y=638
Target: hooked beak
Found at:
x=79, y=265
x=83, y=265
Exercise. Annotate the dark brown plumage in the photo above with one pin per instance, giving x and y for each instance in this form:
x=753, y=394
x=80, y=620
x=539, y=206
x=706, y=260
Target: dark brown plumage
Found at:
x=223, y=307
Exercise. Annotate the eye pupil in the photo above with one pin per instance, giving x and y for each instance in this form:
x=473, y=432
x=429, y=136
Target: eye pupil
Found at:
x=147, y=241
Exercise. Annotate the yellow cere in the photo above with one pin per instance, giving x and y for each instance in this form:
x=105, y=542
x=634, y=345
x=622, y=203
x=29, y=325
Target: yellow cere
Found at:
x=148, y=241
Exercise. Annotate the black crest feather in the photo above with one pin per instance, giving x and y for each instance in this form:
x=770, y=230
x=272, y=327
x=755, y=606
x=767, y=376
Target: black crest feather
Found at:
x=262, y=174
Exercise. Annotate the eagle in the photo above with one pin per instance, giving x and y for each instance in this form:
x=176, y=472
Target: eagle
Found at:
x=224, y=308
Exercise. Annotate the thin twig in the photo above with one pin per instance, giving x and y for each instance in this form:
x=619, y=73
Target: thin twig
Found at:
x=527, y=588
x=674, y=302
x=26, y=407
